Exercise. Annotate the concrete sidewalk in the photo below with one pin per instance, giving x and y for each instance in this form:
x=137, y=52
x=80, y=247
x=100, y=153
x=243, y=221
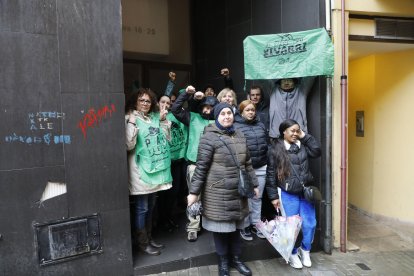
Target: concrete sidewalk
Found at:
x=351, y=263
x=378, y=248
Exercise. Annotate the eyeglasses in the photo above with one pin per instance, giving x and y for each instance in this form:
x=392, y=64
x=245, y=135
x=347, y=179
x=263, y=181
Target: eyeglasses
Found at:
x=142, y=101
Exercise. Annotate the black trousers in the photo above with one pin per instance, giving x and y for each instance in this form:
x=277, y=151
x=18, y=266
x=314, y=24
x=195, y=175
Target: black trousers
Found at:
x=227, y=243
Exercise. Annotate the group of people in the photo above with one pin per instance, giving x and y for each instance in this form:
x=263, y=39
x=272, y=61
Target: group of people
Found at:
x=206, y=139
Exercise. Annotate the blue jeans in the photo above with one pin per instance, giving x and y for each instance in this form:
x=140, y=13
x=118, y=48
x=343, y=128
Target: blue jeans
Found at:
x=292, y=204
x=144, y=206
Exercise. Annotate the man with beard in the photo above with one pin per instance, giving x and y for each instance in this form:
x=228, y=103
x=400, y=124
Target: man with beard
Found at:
x=288, y=101
x=196, y=121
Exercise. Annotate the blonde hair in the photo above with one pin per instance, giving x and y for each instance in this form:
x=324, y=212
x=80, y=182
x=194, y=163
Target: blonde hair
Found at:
x=224, y=92
x=245, y=103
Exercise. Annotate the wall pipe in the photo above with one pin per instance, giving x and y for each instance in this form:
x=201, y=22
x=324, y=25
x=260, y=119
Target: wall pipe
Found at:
x=344, y=136
x=327, y=238
x=327, y=245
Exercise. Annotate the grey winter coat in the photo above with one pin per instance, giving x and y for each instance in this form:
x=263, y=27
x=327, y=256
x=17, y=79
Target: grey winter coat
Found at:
x=289, y=105
x=216, y=175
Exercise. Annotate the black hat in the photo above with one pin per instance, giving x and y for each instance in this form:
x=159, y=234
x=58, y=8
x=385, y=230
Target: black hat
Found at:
x=218, y=108
x=210, y=100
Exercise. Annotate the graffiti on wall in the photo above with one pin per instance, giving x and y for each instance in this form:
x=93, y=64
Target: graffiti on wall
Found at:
x=94, y=117
x=41, y=125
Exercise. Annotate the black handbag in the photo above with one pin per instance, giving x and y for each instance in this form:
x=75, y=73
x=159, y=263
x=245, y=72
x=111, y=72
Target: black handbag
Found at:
x=245, y=186
x=310, y=193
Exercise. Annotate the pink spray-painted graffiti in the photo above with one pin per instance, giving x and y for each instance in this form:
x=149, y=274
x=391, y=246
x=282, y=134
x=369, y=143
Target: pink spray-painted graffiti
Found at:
x=94, y=118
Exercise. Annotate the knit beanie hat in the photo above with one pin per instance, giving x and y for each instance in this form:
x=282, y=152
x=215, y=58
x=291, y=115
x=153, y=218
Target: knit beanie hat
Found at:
x=218, y=108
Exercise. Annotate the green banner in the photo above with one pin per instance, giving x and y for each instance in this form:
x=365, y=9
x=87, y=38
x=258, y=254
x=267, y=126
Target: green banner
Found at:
x=288, y=55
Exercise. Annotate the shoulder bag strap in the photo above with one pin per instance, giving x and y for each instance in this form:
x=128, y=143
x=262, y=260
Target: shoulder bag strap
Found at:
x=231, y=152
x=296, y=173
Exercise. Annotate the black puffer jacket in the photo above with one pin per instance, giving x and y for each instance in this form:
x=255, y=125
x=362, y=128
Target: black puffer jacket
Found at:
x=256, y=139
x=262, y=111
x=309, y=148
x=216, y=175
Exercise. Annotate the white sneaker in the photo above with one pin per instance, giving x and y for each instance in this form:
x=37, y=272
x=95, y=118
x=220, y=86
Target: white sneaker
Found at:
x=295, y=262
x=304, y=257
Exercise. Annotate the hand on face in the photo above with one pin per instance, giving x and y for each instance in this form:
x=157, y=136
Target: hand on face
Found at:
x=164, y=102
x=163, y=113
x=292, y=134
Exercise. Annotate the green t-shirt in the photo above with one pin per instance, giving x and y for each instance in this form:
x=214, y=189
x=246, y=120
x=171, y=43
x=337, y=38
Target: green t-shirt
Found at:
x=179, y=138
x=197, y=125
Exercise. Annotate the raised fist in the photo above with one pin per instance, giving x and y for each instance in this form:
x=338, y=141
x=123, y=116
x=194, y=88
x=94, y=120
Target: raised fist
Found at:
x=171, y=75
x=225, y=72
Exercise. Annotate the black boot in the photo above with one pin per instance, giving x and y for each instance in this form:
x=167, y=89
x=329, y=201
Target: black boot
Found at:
x=144, y=245
x=156, y=244
x=240, y=266
x=153, y=243
x=223, y=265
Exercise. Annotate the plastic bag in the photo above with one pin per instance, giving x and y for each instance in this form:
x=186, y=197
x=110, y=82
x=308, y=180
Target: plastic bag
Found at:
x=281, y=232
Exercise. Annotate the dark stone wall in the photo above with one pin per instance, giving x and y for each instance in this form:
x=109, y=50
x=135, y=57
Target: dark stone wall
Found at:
x=219, y=29
x=62, y=110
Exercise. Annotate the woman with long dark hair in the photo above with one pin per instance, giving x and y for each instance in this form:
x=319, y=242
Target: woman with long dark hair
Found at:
x=287, y=173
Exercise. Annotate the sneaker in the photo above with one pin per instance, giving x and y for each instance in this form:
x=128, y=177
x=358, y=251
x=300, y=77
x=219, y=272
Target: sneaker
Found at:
x=295, y=262
x=257, y=232
x=304, y=257
x=192, y=236
x=246, y=234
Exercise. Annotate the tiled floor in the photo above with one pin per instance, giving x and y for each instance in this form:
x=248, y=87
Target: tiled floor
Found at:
x=371, y=234
x=385, y=248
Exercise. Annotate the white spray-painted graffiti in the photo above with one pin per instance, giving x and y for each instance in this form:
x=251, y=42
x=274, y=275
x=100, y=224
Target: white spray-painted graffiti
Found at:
x=39, y=123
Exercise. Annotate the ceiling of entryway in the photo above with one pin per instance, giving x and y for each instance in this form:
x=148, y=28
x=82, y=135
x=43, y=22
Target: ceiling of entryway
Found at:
x=359, y=49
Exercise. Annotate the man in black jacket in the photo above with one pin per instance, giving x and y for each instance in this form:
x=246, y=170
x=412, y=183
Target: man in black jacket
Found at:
x=196, y=121
x=262, y=107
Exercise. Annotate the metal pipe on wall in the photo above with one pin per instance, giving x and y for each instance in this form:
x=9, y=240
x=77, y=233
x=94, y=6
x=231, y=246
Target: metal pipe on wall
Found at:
x=344, y=135
x=327, y=235
x=327, y=244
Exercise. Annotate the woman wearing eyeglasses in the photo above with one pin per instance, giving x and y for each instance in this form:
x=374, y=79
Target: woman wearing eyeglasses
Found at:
x=147, y=136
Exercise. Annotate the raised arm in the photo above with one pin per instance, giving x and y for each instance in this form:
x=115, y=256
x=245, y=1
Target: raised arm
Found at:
x=306, y=84
x=177, y=109
x=228, y=81
x=170, y=84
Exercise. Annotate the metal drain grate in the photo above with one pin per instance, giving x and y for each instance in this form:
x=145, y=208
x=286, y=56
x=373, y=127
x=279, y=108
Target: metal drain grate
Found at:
x=363, y=266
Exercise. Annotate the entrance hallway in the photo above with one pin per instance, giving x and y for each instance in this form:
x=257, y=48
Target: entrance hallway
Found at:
x=385, y=248
x=368, y=234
